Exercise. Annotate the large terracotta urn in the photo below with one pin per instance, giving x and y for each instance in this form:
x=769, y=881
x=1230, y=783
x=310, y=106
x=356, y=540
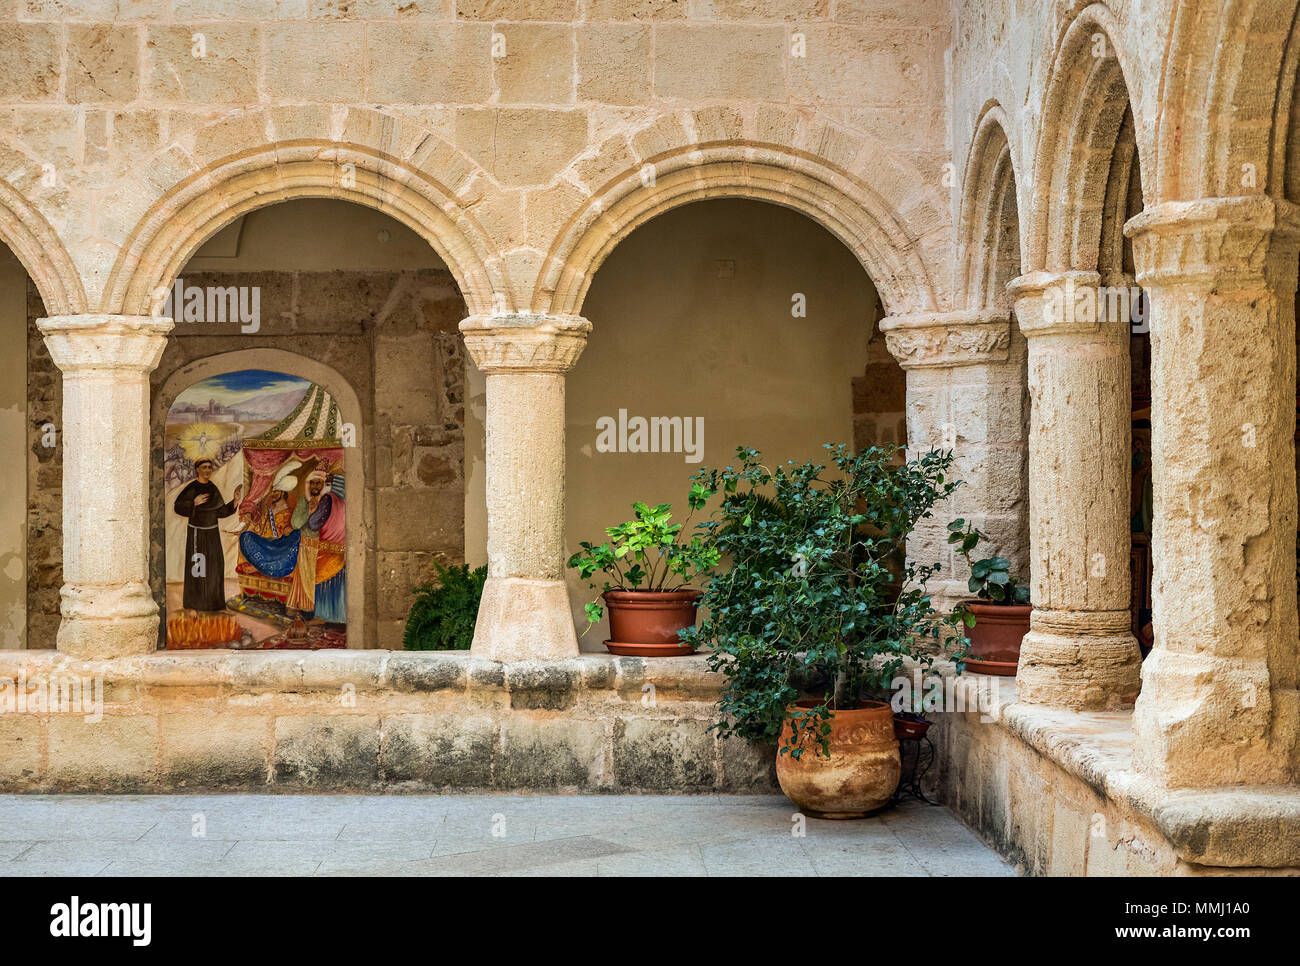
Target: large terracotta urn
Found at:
x=861, y=774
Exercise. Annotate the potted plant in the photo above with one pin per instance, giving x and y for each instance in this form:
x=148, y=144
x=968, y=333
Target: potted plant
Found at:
x=911, y=722
x=645, y=568
x=820, y=595
x=998, y=618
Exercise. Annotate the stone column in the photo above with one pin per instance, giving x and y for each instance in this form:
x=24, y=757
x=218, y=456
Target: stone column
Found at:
x=1219, y=702
x=965, y=393
x=107, y=608
x=1080, y=652
x=525, y=610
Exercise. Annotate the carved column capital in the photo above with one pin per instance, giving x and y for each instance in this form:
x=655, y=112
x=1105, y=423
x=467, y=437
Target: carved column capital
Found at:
x=524, y=342
x=87, y=343
x=1223, y=243
x=1070, y=303
x=944, y=340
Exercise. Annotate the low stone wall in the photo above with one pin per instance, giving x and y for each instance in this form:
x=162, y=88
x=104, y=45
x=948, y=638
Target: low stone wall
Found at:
x=1055, y=792
x=368, y=720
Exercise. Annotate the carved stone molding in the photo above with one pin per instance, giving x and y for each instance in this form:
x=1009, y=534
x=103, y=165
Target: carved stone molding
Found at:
x=525, y=343
x=80, y=343
x=1223, y=242
x=948, y=339
x=1066, y=303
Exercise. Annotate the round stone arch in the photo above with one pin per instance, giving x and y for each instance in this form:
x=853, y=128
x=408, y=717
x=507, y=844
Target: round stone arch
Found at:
x=197, y=208
x=1086, y=100
x=841, y=203
x=1217, y=147
x=36, y=245
x=989, y=201
x=358, y=464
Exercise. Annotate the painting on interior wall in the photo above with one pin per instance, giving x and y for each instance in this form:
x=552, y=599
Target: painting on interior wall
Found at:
x=256, y=514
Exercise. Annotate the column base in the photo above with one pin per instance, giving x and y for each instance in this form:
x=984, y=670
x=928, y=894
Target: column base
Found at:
x=1208, y=721
x=1079, y=660
x=524, y=620
x=106, y=621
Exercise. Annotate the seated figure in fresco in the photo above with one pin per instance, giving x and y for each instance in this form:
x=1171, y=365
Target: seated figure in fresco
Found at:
x=311, y=554
x=205, y=563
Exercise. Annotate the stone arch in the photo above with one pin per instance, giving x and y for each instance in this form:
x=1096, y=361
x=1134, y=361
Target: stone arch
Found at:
x=1227, y=64
x=842, y=203
x=205, y=202
x=990, y=223
x=1084, y=108
x=36, y=245
x=292, y=363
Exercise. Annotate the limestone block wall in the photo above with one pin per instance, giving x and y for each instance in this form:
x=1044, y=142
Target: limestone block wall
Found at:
x=356, y=720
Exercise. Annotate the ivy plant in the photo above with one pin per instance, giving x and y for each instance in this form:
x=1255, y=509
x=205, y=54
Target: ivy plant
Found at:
x=819, y=593
x=646, y=553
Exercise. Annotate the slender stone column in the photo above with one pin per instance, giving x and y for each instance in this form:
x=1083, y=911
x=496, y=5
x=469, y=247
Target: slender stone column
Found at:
x=1219, y=702
x=965, y=393
x=525, y=610
x=107, y=608
x=1080, y=652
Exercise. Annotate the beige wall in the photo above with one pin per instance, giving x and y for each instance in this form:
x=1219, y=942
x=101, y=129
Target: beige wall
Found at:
x=673, y=337
x=13, y=446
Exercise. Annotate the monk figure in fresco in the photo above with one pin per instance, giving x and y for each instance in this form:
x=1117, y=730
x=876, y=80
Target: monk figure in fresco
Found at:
x=202, y=504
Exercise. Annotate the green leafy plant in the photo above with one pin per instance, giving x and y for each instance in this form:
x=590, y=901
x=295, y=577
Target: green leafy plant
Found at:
x=990, y=577
x=819, y=593
x=442, y=617
x=645, y=553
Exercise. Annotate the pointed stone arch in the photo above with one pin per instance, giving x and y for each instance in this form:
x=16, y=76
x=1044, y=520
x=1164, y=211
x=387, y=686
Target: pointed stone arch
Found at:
x=845, y=204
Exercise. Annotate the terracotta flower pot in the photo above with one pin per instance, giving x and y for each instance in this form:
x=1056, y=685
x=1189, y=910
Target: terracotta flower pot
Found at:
x=905, y=728
x=995, y=638
x=861, y=774
x=644, y=623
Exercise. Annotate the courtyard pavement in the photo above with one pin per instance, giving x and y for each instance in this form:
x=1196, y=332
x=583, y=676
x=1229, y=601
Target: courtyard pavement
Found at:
x=491, y=835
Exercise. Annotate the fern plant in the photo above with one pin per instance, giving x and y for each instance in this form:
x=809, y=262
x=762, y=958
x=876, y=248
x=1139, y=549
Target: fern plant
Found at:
x=442, y=617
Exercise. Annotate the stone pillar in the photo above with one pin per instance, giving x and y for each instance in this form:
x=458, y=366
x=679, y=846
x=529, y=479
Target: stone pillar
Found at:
x=965, y=393
x=107, y=608
x=525, y=610
x=1219, y=702
x=1080, y=652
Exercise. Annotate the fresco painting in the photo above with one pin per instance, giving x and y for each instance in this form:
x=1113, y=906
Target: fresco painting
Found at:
x=256, y=514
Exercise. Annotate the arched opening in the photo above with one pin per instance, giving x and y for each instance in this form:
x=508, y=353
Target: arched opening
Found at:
x=31, y=552
x=989, y=258
x=743, y=323
x=327, y=331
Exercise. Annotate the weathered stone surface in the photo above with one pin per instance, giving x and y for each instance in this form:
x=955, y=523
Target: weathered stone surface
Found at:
x=451, y=750
x=551, y=752
x=654, y=753
x=327, y=751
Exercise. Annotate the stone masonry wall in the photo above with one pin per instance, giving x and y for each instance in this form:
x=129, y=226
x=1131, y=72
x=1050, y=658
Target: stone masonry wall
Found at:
x=371, y=720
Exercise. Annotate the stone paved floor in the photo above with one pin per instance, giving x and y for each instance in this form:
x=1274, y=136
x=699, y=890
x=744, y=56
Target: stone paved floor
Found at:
x=454, y=835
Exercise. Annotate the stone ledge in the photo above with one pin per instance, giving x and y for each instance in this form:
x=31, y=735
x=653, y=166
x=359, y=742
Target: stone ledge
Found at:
x=377, y=670
x=1252, y=827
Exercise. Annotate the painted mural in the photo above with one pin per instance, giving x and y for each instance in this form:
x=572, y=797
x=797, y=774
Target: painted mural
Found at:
x=256, y=514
